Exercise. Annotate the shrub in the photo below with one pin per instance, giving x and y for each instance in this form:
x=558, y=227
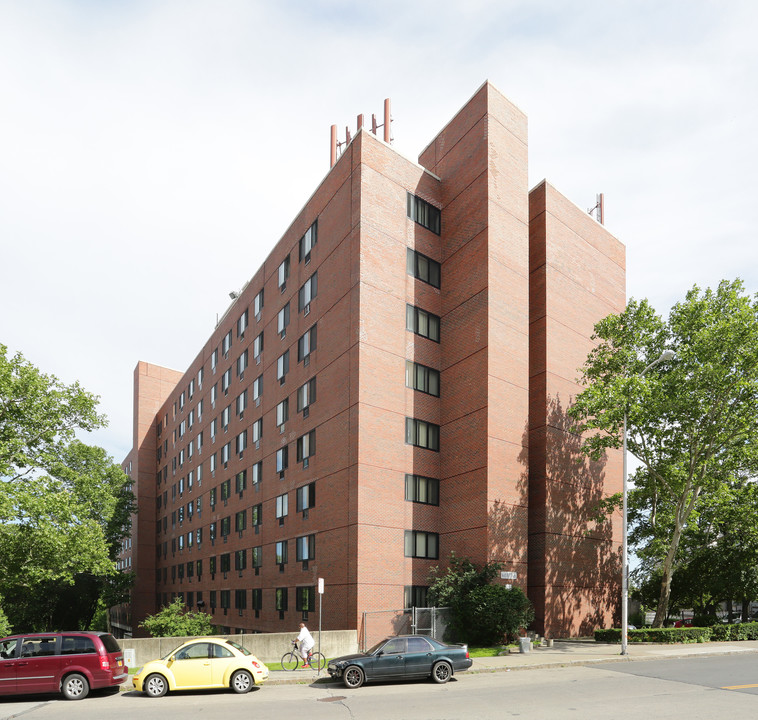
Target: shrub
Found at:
x=174, y=620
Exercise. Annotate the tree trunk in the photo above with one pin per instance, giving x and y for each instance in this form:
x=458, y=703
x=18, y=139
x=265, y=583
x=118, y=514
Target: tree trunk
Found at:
x=662, y=611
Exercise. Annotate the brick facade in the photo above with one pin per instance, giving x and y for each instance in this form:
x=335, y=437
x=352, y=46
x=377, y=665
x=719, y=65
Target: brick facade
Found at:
x=523, y=278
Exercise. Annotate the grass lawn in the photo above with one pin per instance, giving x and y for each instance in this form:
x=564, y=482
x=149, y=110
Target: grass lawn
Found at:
x=476, y=652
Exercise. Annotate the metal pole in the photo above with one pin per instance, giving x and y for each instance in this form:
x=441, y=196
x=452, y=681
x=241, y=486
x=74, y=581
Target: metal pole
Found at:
x=320, y=596
x=624, y=558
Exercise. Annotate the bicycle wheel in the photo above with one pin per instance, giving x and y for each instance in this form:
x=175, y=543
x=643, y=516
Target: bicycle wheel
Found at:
x=290, y=661
x=318, y=661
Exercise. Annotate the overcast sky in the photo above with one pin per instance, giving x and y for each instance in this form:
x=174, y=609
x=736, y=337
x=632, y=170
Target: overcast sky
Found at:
x=134, y=134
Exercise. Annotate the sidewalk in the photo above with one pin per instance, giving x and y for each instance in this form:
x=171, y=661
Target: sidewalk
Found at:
x=563, y=653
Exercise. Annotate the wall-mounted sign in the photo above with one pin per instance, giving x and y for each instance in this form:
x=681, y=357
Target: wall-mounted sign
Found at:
x=508, y=575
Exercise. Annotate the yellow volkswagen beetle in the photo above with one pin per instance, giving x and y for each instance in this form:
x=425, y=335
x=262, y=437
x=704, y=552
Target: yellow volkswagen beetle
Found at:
x=202, y=664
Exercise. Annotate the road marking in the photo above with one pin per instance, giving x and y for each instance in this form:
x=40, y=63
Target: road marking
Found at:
x=739, y=687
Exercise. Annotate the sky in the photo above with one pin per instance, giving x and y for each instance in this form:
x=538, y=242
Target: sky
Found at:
x=134, y=134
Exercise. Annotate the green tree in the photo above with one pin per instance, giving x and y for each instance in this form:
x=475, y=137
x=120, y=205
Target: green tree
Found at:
x=481, y=612
x=64, y=505
x=5, y=626
x=175, y=620
x=692, y=421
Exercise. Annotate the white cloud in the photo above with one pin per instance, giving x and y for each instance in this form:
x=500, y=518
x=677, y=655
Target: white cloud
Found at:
x=136, y=135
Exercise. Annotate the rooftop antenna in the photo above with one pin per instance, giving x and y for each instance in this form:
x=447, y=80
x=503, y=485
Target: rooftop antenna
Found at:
x=599, y=209
x=336, y=146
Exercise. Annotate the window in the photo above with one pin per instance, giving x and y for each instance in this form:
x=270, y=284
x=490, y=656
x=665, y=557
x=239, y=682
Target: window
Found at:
x=226, y=527
x=225, y=599
x=191, y=419
x=257, y=430
x=226, y=490
x=258, y=348
x=240, y=600
x=306, y=447
x=282, y=459
x=256, y=514
x=226, y=343
x=240, y=559
x=200, y=411
x=306, y=345
x=307, y=293
x=283, y=367
x=282, y=412
x=258, y=305
x=226, y=416
x=422, y=378
x=257, y=389
x=416, y=596
x=213, y=463
x=241, y=364
x=257, y=474
x=199, y=442
x=242, y=324
x=212, y=565
x=283, y=273
x=191, y=388
x=181, y=400
x=422, y=323
x=240, y=482
x=282, y=505
x=200, y=375
x=240, y=521
x=422, y=434
x=257, y=599
x=214, y=428
x=305, y=548
x=424, y=213
x=281, y=552
x=199, y=541
x=306, y=497
x=283, y=320
x=422, y=489
x=257, y=556
x=307, y=242
x=241, y=403
x=226, y=380
x=214, y=394
x=182, y=428
x=281, y=599
x=421, y=544
x=226, y=452
x=306, y=395
x=212, y=499
x=241, y=442
x=305, y=599
x=423, y=267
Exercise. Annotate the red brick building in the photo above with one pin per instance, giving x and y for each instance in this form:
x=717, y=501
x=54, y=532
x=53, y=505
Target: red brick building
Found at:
x=390, y=386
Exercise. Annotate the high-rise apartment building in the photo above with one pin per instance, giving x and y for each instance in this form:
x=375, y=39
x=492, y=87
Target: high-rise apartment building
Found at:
x=388, y=388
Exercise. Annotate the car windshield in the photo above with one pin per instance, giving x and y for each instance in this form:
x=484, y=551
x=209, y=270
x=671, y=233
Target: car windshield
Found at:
x=168, y=655
x=239, y=647
x=377, y=647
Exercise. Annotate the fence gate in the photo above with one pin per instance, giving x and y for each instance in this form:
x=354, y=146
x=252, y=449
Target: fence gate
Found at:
x=408, y=621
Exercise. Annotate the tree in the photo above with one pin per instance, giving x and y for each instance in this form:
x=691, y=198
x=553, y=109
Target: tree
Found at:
x=175, y=620
x=692, y=421
x=64, y=505
x=481, y=613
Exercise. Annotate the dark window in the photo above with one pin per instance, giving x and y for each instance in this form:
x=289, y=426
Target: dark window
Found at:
x=257, y=599
x=421, y=544
x=422, y=378
x=424, y=213
x=305, y=599
x=305, y=548
x=240, y=560
x=306, y=497
x=307, y=242
x=281, y=599
x=226, y=562
x=422, y=489
x=422, y=434
x=423, y=268
x=281, y=552
x=422, y=323
x=306, y=344
x=306, y=446
x=307, y=293
x=240, y=599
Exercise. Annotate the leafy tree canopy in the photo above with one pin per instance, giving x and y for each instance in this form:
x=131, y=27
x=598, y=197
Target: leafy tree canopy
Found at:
x=64, y=505
x=692, y=421
x=482, y=613
x=175, y=620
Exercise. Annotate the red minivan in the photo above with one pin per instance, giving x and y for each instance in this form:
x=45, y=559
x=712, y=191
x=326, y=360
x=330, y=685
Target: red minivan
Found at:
x=71, y=663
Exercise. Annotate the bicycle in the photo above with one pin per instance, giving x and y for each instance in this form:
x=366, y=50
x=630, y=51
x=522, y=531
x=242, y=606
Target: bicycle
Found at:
x=292, y=660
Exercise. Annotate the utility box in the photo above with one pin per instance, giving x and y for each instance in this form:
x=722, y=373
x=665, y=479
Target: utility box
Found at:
x=130, y=657
x=524, y=644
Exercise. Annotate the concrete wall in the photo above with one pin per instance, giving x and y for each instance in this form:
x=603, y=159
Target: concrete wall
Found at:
x=268, y=647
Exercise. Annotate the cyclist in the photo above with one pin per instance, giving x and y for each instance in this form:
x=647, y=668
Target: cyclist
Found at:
x=306, y=643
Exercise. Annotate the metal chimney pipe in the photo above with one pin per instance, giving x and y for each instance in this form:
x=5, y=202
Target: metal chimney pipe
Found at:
x=387, y=133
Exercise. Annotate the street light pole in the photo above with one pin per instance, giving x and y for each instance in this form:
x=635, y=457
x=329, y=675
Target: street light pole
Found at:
x=665, y=355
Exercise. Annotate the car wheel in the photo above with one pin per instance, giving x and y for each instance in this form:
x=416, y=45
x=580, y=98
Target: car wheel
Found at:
x=75, y=687
x=441, y=672
x=155, y=685
x=242, y=681
x=353, y=677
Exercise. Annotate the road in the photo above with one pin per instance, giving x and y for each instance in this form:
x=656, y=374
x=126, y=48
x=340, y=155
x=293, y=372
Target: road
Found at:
x=690, y=688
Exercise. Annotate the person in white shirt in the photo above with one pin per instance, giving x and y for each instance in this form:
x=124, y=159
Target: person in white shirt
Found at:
x=306, y=643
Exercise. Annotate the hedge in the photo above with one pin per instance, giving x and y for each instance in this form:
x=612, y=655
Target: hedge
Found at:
x=738, y=631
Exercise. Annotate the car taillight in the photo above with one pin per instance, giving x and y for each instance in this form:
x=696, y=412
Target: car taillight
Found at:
x=105, y=663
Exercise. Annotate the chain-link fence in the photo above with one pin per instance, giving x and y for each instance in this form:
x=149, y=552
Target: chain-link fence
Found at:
x=409, y=621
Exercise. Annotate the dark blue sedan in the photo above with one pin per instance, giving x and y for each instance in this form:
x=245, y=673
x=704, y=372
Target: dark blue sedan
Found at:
x=401, y=657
